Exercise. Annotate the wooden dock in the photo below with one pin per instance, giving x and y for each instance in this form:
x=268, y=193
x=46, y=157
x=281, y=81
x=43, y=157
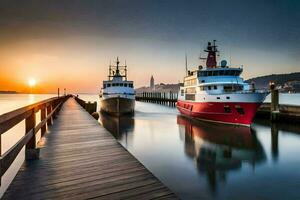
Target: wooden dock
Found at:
x=81, y=160
x=164, y=98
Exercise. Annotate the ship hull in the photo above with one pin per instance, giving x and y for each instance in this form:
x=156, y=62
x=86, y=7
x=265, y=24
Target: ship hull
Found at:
x=215, y=112
x=118, y=105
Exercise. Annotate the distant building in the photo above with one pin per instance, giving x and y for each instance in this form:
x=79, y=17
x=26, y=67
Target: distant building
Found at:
x=152, y=86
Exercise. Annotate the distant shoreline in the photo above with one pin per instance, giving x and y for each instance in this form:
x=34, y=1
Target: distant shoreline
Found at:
x=9, y=92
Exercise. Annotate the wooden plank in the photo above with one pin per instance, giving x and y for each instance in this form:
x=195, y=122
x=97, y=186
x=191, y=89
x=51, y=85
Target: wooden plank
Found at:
x=81, y=160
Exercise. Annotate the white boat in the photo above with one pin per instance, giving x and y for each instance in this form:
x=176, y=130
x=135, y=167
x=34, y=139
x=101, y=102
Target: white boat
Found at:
x=117, y=94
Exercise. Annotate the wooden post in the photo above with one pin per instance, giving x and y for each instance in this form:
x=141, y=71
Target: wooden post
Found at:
x=43, y=116
x=54, y=103
x=170, y=99
x=49, y=110
x=274, y=103
x=31, y=152
x=57, y=92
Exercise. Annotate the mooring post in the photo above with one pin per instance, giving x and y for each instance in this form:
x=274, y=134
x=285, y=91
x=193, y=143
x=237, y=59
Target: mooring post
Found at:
x=31, y=152
x=91, y=107
x=274, y=102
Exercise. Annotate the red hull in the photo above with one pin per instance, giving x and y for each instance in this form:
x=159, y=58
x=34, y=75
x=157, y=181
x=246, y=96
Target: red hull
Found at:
x=214, y=111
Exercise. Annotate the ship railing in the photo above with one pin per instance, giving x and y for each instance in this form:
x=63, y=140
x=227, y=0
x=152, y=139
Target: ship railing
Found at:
x=124, y=95
x=247, y=91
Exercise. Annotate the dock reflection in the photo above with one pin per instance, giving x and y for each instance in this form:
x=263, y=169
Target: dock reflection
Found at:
x=118, y=126
x=218, y=149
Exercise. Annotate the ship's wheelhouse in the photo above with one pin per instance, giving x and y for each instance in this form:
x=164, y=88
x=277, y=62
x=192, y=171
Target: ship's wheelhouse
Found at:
x=117, y=83
x=220, y=72
x=122, y=84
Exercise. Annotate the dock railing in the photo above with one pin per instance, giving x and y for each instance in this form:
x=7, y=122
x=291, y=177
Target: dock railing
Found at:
x=90, y=107
x=49, y=109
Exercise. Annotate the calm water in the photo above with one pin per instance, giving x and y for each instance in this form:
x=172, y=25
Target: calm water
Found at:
x=196, y=159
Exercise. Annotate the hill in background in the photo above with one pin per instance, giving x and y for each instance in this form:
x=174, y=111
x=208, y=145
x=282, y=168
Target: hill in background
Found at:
x=285, y=82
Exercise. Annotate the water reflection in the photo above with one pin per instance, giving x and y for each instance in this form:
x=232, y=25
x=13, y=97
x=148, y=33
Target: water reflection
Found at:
x=118, y=126
x=218, y=149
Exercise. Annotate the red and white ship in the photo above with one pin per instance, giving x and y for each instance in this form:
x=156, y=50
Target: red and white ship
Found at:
x=218, y=93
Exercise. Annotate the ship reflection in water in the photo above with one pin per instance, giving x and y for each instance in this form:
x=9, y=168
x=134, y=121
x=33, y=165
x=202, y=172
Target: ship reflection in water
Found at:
x=201, y=160
x=218, y=149
x=118, y=126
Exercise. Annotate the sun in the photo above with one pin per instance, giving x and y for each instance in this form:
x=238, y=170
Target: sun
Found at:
x=31, y=82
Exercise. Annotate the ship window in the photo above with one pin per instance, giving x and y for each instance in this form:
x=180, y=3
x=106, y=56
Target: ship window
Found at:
x=113, y=84
x=226, y=72
x=205, y=73
x=227, y=109
x=232, y=72
x=121, y=84
x=182, y=92
x=227, y=88
x=221, y=72
x=227, y=97
x=215, y=73
x=131, y=85
x=191, y=90
x=209, y=73
x=218, y=97
x=209, y=87
x=202, y=81
x=117, y=84
x=125, y=84
x=104, y=86
x=238, y=87
x=240, y=110
x=108, y=85
x=190, y=97
x=201, y=88
x=215, y=87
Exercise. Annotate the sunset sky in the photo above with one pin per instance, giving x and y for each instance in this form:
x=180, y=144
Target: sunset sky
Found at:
x=69, y=44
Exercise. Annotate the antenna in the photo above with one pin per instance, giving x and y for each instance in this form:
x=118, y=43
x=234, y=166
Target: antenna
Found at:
x=186, y=63
x=230, y=56
x=109, y=70
x=125, y=71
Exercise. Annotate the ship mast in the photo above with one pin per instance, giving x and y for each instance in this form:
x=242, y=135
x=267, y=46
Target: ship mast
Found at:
x=118, y=70
x=211, y=60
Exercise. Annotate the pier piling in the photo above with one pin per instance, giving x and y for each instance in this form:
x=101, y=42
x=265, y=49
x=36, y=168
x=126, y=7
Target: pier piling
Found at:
x=274, y=103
